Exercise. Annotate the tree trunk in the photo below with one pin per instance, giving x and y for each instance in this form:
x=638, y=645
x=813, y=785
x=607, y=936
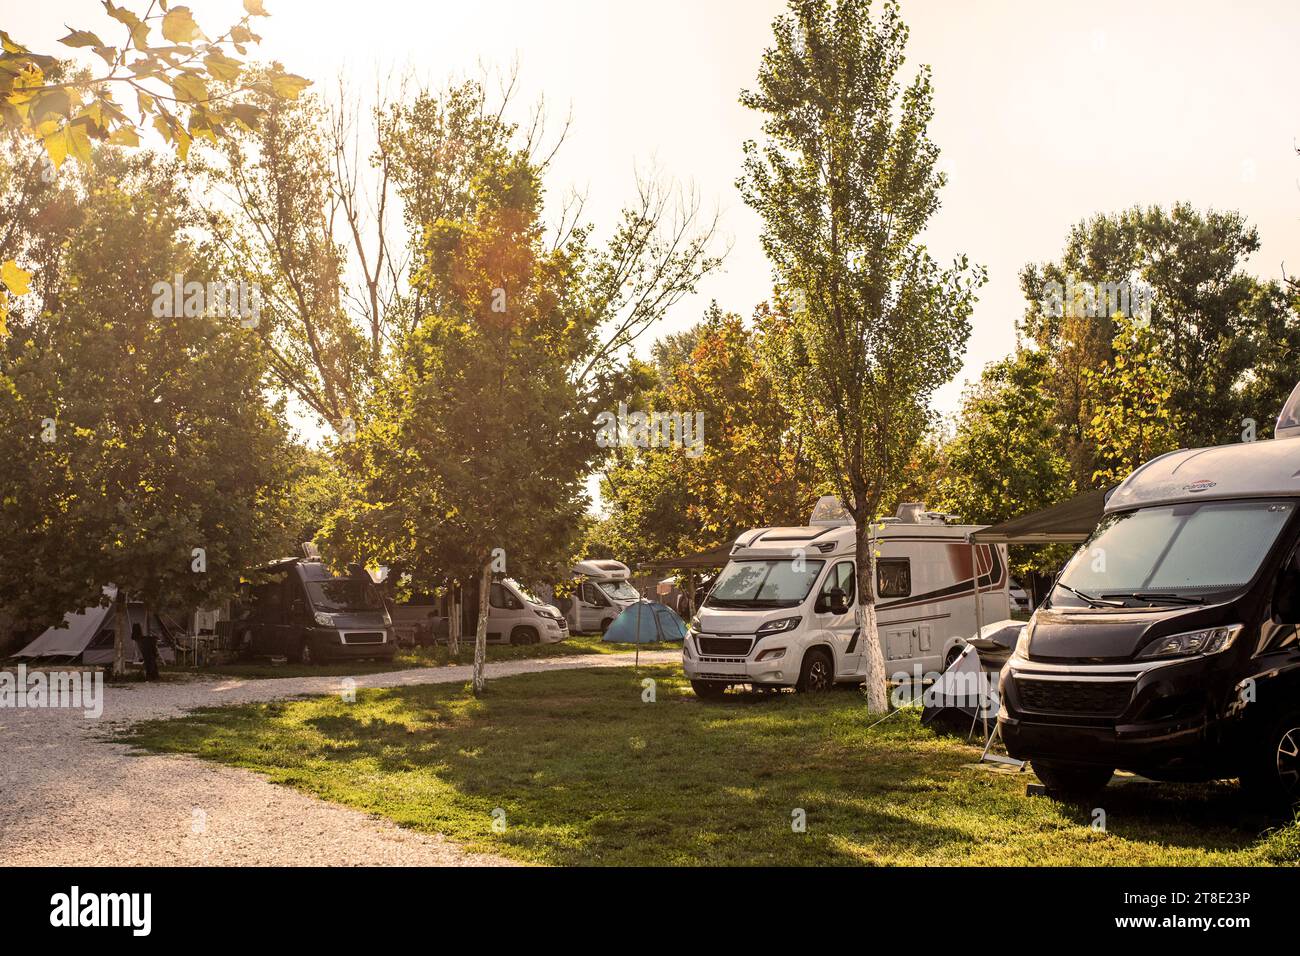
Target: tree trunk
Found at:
x=454, y=620
x=877, y=699
x=480, y=633
x=121, y=631
x=149, y=649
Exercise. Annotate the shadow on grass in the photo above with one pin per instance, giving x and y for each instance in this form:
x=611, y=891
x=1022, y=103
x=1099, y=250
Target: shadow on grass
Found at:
x=583, y=770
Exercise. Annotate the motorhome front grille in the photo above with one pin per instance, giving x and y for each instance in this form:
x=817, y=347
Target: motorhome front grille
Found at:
x=1102, y=698
x=363, y=637
x=724, y=646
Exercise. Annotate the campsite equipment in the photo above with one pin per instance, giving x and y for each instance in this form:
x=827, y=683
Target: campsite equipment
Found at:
x=996, y=642
x=87, y=637
x=1177, y=657
x=962, y=695
x=783, y=612
x=646, y=622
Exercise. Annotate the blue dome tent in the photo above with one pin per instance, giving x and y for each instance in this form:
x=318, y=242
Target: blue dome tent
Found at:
x=646, y=622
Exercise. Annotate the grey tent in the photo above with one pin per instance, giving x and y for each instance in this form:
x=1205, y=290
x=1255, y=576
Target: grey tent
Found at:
x=87, y=638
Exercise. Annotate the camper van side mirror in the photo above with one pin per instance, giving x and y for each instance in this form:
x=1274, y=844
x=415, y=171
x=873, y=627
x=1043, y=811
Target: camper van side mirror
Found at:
x=838, y=601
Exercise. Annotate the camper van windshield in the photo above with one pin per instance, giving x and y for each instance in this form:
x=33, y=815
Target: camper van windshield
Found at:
x=1173, y=554
x=764, y=583
x=619, y=590
x=343, y=594
x=524, y=592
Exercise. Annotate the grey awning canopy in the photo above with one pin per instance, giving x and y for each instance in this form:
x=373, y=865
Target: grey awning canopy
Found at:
x=1070, y=521
x=715, y=558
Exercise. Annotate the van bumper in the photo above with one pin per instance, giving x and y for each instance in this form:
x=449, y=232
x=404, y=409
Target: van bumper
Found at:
x=328, y=644
x=1173, y=721
x=1123, y=746
x=781, y=672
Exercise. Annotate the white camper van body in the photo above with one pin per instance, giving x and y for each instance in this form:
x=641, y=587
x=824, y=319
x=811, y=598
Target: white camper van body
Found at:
x=517, y=616
x=925, y=602
x=602, y=591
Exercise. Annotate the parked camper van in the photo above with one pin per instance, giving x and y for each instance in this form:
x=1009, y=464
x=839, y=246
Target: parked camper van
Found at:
x=517, y=616
x=602, y=591
x=1168, y=645
x=296, y=608
x=783, y=612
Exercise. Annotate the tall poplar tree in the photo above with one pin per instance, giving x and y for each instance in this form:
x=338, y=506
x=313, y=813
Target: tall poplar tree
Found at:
x=845, y=183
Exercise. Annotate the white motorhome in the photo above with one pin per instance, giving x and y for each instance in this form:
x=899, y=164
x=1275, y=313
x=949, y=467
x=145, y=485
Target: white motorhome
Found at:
x=783, y=612
x=602, y=591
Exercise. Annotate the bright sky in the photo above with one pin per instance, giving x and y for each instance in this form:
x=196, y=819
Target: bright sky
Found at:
x=1045, y=112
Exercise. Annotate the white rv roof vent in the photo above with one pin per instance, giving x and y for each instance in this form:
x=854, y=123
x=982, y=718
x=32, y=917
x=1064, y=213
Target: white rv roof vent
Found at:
x=910, y=512
x=829, y=512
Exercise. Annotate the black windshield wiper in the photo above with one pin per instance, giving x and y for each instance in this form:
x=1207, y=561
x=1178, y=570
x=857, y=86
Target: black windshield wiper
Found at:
x=1153, y=598
x=1091, y=599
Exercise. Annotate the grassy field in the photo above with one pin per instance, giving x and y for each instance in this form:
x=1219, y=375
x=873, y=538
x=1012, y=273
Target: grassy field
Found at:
x=406, y=658
x=588, y=773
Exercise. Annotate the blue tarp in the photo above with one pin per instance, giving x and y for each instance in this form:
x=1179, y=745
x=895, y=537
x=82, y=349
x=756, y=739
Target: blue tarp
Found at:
x=646, y=622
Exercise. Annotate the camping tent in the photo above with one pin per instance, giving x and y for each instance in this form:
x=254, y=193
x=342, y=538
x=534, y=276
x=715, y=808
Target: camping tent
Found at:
x=646, y=622
x=87, y=636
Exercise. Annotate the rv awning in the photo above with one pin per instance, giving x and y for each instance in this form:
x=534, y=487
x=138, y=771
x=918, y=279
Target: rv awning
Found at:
x=1070, y=521
x=704, y=559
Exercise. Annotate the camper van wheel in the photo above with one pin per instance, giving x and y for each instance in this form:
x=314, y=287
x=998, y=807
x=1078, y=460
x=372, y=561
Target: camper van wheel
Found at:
x=1072, y=781
x=953, y=655
x=604, y=625
x=1273, y=775
x=708, y=689
x=523, y=635
x=817, y=674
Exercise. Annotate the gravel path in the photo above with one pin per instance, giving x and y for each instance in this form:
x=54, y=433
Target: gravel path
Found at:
x=68, y=796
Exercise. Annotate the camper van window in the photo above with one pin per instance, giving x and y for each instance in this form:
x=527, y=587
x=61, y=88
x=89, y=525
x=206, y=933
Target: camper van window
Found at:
x=526, y=592
x=893, y=577
x=761, y=583
x=499, y=597
x=343, y=594
x=1188, y=551
x=843, y=577
x=619, y=590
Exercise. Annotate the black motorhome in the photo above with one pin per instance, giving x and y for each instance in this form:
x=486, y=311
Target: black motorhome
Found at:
x=1168, y=644
x=296, y=608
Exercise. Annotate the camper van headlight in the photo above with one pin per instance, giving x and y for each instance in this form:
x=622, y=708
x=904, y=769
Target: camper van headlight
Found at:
x=324, y=620
x=778, y=627
x=1211, y=640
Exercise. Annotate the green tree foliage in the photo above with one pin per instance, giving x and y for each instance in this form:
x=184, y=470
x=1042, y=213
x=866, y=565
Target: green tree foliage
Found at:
x=1004, y=459
x=1134, y=417
x=1213, y=326
x=480, y=439
x=751, y=469
x=134, y=436
x=163, y=61
x=845, y=184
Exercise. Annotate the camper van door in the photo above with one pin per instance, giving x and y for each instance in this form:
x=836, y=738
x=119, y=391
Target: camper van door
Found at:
x=841, y=628
x=592, y=606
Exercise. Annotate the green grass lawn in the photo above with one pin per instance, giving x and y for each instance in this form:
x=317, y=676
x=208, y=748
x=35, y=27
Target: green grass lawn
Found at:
x=406, y=658
x=588, y=773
